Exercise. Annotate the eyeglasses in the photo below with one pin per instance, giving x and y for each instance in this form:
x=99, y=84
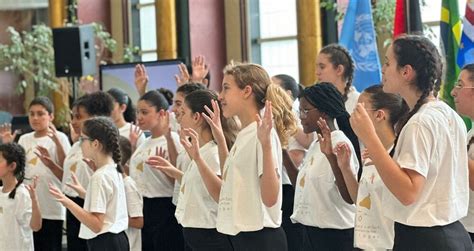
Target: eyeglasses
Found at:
x=304, y=112
x=82, y=139
x=459, y=86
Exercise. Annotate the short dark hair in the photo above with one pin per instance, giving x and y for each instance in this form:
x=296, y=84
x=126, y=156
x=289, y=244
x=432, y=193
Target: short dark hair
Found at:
x=44, y=102
x=96, y=104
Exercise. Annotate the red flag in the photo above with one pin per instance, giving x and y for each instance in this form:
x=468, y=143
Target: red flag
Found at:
x=407, y=17
x=399, y=20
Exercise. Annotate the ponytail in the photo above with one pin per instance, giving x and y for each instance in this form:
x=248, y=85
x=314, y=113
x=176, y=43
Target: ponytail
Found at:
x=283, y=116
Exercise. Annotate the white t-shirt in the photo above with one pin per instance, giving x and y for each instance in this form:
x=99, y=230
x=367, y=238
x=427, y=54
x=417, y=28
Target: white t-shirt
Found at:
x=352, y=99
x=372, y=229
x=468, y=221
x=151, y=183
x=240, y=203
x=196, y=208
x=106, y=195
x=175, y=127
x=135, y=209
x=318, y=202
x=125, y=131
x=433, y=144
x=74, y=164
x=50, y=208
x=292, y=145
x=15, y=217
x=182, y=163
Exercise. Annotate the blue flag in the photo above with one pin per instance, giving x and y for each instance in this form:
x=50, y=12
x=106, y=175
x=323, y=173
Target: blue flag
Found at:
x=466, y=47
x=358, y=36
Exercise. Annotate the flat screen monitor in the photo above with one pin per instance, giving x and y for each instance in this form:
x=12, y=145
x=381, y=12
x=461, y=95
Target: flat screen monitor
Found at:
x=160, y=75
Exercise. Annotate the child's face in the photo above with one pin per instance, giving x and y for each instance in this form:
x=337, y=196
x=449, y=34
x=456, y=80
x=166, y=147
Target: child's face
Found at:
x=147, y=115
x=79, y=115
x=231, y=96
x=177, y=103
x=86, y=146
x=39, y=118
x=325, y=70
x=5, y=168
x=188, y=118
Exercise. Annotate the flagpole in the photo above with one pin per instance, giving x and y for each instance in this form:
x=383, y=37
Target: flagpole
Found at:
x=407, y=16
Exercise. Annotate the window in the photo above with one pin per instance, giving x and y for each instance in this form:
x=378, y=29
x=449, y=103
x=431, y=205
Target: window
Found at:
x=273, y=33
x=144, y=23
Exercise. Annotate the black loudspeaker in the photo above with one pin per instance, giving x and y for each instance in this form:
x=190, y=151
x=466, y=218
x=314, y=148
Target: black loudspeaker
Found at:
x=74, y=51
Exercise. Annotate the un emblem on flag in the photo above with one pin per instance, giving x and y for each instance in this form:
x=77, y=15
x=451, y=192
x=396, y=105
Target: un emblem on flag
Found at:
x=364, y=50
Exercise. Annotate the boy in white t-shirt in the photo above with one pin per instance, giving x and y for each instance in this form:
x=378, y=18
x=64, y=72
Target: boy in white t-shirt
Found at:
x=85, y=107
x=46, y=149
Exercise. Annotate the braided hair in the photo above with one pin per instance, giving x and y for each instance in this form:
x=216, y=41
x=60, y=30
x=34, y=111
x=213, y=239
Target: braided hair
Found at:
x=104, y=130
x=338, y=55
x=14, y=153
x=423, y=56
x=328, y=100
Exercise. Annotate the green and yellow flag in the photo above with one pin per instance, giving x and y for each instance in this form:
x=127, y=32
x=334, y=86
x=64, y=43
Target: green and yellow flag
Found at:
x=450, y=37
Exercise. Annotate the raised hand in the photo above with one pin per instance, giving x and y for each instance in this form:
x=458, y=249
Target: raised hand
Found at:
x=160, y=162
x=343, y=154
x=90, y=163
x=200, y=69
x=214, y=120
x=361, y=124
x=6, y=134
x=134, y=134
x=265, y=125
x=164, y=122
x=32, y=188
x=191, y=146
x=325, y=137
x=57, y=194
x=183, y=77
x=45, y=157
x=141, y=79
x=53, y=135
x=76, y=186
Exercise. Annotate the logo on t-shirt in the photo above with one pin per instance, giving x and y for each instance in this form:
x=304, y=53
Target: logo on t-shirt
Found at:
x=365, y=202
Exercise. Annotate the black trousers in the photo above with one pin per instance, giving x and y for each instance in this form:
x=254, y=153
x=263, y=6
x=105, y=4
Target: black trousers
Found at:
x=449, y=237
x=200, y=239
x=160, y=229
x=273, y=239
x=73, y=225
x=109, y=242
x=330, y=239
x=49, y=238
x=295, y=233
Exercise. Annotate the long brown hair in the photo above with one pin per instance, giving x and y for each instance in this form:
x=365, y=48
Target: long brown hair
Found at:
x=263, y=89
